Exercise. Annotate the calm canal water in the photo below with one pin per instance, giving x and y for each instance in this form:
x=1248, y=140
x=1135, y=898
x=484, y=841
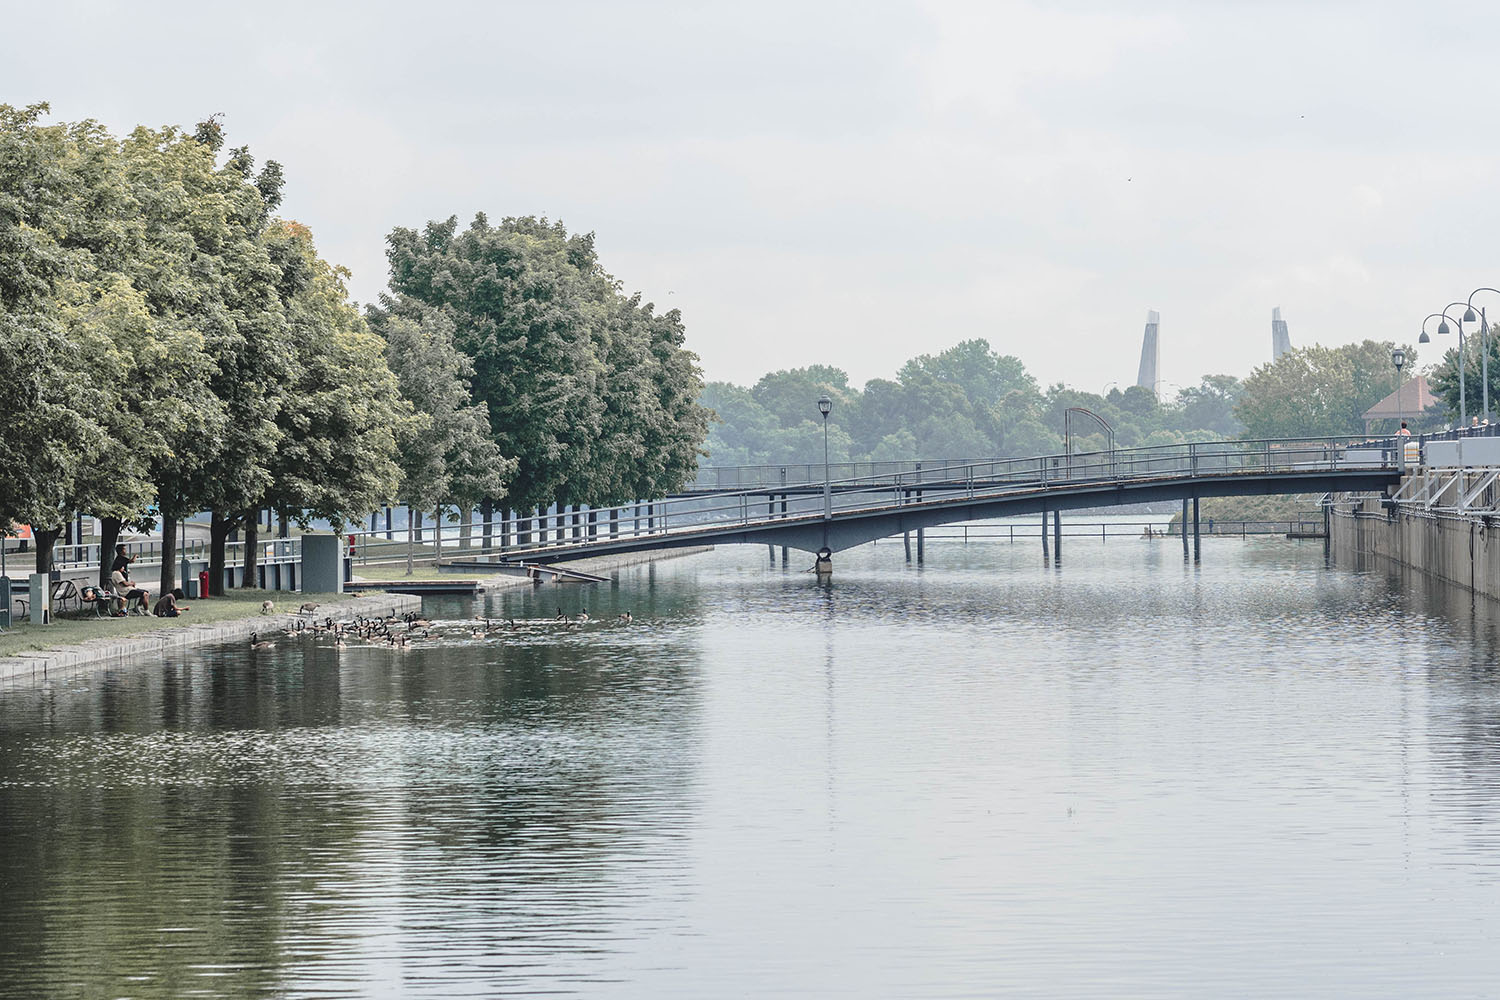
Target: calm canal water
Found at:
x=1126, y=777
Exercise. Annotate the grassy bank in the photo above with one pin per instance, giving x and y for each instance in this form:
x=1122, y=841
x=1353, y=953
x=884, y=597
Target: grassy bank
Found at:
x=67, y=630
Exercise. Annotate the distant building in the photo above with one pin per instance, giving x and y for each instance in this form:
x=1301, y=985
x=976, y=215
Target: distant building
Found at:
x=1281, y=341
x=1150, y=373
x=1410, y=402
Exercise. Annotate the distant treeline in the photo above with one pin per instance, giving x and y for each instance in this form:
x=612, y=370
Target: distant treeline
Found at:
x=168, y=345
x=972, y=402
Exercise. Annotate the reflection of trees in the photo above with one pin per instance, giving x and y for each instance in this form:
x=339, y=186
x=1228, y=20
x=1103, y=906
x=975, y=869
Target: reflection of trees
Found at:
x=265, y=817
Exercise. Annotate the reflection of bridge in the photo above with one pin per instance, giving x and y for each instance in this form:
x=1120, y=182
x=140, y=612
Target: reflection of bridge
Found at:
x=784, y=505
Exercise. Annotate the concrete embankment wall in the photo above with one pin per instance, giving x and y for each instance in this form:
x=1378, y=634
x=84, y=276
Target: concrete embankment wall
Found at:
x=1462, y=549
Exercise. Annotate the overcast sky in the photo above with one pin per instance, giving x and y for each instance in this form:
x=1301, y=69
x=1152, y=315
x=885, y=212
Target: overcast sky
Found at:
x=857, y=183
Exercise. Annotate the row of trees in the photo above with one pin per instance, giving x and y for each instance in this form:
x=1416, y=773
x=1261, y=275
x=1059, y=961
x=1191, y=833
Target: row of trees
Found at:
x=168, y=345
x=965, y=402
x=970, y=401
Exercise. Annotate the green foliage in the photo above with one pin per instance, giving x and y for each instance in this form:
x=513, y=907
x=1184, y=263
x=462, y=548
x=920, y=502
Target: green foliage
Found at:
x=590, y=391
x=965, y=402
x=1312, y=391
x=446, y=453
x=1444, y=378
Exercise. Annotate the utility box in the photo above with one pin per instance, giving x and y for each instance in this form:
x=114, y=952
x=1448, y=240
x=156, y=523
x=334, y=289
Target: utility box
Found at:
x=322, y=564
x=41, y=598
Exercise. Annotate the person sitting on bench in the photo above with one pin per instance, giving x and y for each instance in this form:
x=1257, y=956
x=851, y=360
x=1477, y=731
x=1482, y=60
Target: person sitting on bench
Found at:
x=136, y=598
x=168, y=607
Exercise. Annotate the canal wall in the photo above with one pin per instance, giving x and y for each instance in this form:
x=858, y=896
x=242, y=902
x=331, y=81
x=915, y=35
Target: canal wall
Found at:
x=109, y=649
x=1457, y=548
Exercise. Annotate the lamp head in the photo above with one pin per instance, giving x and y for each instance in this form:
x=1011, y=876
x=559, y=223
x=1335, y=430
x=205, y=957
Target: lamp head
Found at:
x=1443, y=328
x=1424, y=339
x=1398, y=358
x=1469, y=316
x=825, y=405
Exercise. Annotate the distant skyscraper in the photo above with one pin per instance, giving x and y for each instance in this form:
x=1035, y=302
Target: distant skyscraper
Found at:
x=1150, y=374
x=1281, y=341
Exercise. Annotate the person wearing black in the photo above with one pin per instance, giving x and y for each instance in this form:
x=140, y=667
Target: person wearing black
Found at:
x=122, y=561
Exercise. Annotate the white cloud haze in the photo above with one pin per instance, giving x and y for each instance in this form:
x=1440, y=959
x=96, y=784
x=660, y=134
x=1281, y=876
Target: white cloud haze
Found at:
x=854, y=183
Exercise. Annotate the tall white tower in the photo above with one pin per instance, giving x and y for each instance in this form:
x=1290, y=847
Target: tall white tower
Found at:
x=1150, y=373
x=1281, y=340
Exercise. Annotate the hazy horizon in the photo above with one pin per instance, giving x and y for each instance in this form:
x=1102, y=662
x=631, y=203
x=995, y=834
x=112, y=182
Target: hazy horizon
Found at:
x=854, y=185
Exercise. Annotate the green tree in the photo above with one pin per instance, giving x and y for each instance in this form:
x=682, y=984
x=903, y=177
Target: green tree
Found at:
x=446, y=454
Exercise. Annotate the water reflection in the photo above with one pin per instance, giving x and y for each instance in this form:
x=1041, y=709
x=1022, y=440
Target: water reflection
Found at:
x=981, y=775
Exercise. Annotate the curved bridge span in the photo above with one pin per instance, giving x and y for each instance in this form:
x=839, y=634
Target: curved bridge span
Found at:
x=811, y=515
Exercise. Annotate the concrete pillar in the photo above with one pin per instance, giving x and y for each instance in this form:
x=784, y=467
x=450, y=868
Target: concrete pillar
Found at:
x=1184, y=528
x=921, y=546
x=1046, y=555
x=771, y=551
x=906, y=541
x=1197, y=541
x=1057, y=536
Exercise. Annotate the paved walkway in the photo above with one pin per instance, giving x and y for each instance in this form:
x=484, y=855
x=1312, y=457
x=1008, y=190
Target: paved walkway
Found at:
x=107, y=649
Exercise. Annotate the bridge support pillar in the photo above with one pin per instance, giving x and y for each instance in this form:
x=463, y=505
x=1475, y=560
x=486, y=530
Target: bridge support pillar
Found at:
x=771, y=549
x=1046, y=555
x=1197, y=541
x=906, y=541
x=1184, y=528
x=1057, y=537
x=921, y=546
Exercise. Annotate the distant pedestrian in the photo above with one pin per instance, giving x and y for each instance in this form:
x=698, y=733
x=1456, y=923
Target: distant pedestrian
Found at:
x=1403, y=432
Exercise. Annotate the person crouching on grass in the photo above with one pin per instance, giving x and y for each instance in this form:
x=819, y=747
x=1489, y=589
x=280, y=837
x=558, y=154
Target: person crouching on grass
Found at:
x=168, y=607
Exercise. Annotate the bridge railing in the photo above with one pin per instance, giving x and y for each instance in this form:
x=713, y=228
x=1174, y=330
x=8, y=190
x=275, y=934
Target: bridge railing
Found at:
x=1273, y=453
x=974, y=480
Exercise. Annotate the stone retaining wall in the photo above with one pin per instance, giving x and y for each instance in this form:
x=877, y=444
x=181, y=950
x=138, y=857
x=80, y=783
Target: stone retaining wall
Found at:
x=108, y=649
x=1462, y=549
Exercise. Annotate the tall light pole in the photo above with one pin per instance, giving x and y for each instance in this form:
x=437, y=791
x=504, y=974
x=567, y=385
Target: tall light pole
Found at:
x=1443, y=330
x=1398, y=358
x=825, y=407
x=1484, y=344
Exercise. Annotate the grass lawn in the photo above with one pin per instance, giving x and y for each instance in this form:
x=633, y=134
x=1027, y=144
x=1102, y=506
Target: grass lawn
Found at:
x=66, y=630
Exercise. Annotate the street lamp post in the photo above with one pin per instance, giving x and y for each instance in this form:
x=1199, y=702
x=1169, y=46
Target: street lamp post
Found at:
x=1463, y=409
x=1398, y=358
x=825, y=406
x=1484, y=344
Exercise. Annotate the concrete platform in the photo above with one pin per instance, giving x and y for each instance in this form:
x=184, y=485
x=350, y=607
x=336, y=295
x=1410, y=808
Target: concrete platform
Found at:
x=30, y=667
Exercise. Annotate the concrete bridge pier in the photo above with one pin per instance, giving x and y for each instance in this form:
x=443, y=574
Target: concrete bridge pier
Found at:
x=906, y=542
x=1057, y=538
x=772, y=550
x=1184, y=529
x=1046, y=555
x=1197, y=541
x=921, y=546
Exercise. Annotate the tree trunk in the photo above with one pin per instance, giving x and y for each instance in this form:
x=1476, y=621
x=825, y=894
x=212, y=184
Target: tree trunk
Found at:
x=411, y=543
x=109, y=535
x=283, y=528
x=487, y=521
x=251, y=579
x=465, y=527
x=218, y=533
x=46, y=539
x=437, y=536
x=168, y=553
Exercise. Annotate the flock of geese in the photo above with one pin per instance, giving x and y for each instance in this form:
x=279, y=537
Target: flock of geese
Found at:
x=411, y=629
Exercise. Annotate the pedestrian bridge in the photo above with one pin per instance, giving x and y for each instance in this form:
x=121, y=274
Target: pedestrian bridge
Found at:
x=790, y=505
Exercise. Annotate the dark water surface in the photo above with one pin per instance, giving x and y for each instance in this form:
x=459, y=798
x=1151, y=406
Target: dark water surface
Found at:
x=1126, y=777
